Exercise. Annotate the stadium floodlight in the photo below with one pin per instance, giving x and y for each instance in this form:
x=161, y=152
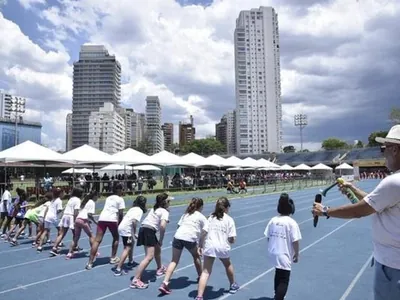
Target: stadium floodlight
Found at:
x=18, y=108
x=300, y=120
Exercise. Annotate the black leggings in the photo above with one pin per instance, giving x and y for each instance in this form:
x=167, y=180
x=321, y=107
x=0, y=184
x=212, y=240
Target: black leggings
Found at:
x=281, y=283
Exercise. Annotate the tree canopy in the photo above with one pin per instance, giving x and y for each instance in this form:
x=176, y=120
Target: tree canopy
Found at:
x=204, y=147
x=334, y=143
x=373, y=135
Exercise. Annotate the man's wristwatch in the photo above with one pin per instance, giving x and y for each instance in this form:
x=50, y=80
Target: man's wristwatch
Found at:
x=325, y=211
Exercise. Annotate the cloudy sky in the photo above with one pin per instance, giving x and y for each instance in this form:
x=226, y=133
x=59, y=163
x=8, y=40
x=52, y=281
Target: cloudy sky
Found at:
x=339, y=58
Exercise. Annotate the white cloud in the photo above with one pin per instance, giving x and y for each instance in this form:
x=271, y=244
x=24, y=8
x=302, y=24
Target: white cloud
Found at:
x=27, y=4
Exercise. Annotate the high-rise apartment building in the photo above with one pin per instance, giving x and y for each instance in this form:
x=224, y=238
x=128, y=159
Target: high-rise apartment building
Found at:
x=187, y=132
x=128, y=115
x=225, y=131
x=138, y=129
x=168, y=131
x=68, y=133
x=5, y=104
x=257, y=80
x=96, y=80
x=107, y=129
x=154, y=133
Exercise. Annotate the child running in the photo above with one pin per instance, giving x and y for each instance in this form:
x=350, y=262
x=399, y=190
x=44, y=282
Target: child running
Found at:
x=109, y=218
x=83, y=220
x=33, y=215
x=19, y=212
x=220, y=234
x=67, y=221
x=190, y=227
x=52, y=216
x=156, y=220
x=283, y=234
x=127, y=230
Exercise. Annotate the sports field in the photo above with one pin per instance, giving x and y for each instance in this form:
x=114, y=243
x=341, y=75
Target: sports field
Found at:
x=333, y=265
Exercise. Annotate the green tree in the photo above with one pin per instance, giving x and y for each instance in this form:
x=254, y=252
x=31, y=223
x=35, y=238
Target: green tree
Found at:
x=359, y=144
x=395, y=115
x=289, y=149
x=204, y=147
x=373, y=135
x=334, y=143
x=145, y=145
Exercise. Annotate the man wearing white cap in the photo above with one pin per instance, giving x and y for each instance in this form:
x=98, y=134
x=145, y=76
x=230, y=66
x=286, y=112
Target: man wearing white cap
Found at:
x=383, y=203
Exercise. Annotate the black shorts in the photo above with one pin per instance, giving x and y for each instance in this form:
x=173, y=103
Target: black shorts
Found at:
x=127, y=241
x=18, y=221
x=147, y=237
x=180, y=244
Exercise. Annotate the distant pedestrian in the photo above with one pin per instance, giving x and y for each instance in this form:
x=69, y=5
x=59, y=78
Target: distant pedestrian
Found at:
x=383, y=203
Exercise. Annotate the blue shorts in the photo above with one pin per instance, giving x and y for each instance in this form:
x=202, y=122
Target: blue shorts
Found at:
x=386, y=283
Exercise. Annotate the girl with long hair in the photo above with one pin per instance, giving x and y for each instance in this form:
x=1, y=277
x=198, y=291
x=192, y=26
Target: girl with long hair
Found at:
x=127, y=230
x=156, y=220
x=83, y=220
x=216, y=243
x=190, y=228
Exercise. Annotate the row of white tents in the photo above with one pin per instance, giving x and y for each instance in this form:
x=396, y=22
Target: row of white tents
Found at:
x=130, y=159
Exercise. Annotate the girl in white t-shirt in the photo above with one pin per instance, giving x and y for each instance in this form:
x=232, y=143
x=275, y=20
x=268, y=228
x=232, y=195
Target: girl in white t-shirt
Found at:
x=156, y=220
x=110, y=217
x=68, y=219
x=127, y=231
x=190, y=228
x=216, y=243
x=283, y=234
x=83, y=220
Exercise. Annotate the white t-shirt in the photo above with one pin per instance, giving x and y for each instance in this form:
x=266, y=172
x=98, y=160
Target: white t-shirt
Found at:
x=42, y=209
x=191, y=226
x=111, y=208
x=154, y=218
x=385, y=200
x=72, y=204
x=282, y=232
x=90, y=208
x=5, y=197
x=54, y=207
x=218, y=233
x=125, y=228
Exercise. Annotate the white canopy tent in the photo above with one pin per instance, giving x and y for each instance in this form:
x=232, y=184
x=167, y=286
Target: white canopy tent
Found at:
x=88, y=155
x=321, y=167
x=31, y=152
x=166, y=159
x=131, y=156
x=286, y=167
x=77, y=171
x=345, y=171
x=234, y=162
x=251, y=163
x=214, y=161
x=302, y=167
x=193, y=159
x=267, y=165
x=321, y=170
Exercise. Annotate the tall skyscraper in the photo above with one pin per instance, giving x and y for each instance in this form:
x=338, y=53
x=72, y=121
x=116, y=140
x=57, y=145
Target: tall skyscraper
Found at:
x=225, y=131
x=138, y=129
x=258, y=83
x=68, y=133
x=187, y=132
x=168, y=131
x=153, y=125
x=97, y=80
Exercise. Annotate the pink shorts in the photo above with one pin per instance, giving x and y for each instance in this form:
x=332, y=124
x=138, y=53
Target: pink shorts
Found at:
x=102, y=226
x=81, y=224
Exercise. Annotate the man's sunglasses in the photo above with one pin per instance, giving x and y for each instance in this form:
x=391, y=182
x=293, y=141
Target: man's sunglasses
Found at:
x=383, y=147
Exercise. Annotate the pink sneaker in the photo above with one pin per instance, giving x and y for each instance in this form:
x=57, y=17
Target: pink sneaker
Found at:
x=161, y=271
x=138, y=284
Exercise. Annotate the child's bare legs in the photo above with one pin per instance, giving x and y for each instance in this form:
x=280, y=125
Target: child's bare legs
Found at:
x=150, y=253
x=197, y=260
x=205, y=274
x=176, y=255
x=229, y=270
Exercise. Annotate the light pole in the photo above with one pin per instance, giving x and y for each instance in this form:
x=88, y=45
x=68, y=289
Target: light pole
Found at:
x=300, y=120
x=18, y=107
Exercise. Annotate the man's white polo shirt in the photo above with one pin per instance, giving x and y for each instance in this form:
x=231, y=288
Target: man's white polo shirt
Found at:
x=385, y=199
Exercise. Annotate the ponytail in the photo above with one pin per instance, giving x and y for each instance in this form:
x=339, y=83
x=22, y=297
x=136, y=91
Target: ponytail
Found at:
x=220, y=207
x=88, y=197
x=161, y=201
x=140, y=202
x=194, y=205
